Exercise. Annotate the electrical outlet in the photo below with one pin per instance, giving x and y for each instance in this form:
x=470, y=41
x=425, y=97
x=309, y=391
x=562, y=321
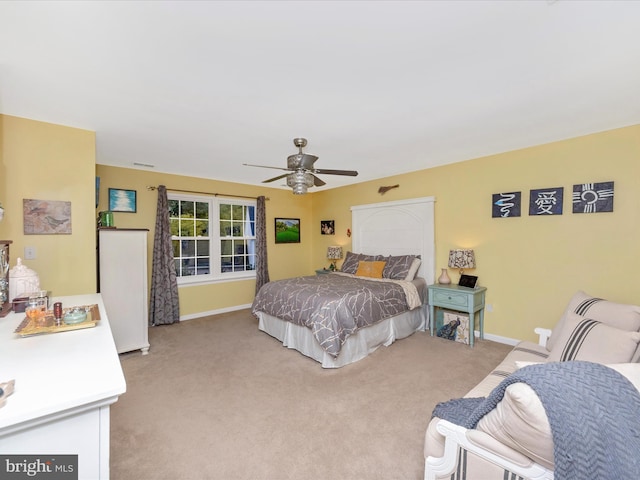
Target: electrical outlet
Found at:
x=489, y=307
x=29, y=253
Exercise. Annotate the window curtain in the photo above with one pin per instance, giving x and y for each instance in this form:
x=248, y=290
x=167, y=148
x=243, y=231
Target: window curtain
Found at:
x=164, y=307
x=262, y=271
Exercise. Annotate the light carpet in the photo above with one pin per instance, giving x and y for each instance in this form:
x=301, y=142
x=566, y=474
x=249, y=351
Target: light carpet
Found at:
x=218, y=399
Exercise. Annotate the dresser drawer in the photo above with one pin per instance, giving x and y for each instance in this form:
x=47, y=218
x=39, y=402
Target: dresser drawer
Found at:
x=450, y=299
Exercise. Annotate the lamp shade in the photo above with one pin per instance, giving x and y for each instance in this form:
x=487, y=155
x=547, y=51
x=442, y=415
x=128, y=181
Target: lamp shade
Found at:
x=462, y=258
x=334, y=252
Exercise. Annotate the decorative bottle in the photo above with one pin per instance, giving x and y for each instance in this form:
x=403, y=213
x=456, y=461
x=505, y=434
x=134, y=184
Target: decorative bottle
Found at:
x=444, y=277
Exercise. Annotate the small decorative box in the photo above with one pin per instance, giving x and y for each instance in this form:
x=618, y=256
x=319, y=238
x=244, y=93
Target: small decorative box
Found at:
x=20, y=304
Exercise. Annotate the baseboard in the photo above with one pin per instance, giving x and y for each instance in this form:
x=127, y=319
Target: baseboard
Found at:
x=487, y=336
x=191, y=316
x=498, y=338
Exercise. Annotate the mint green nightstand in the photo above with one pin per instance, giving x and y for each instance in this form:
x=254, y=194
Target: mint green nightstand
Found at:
x=460, y=299
x=322, y=271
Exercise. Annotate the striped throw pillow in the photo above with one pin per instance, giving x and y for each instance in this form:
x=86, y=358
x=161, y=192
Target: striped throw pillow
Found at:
x=617, y=315
x=586, y=339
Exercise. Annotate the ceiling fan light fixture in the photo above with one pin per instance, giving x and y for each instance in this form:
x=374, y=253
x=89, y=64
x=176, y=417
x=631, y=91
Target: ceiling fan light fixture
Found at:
x=299, y=189
x=302, y=167
x=300, y=182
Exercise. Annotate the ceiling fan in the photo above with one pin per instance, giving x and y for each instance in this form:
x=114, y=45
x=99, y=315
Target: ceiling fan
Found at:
x=301, y=166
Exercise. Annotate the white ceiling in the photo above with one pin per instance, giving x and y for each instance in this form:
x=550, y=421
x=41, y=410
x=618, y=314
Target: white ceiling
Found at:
x=199, y=88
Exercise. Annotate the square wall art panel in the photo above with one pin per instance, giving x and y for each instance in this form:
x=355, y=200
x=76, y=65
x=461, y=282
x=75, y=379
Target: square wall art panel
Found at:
x=546, y=201
x=506, y=205
x=593, y=197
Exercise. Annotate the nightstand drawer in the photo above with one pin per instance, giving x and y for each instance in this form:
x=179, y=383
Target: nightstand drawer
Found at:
x=450, y=299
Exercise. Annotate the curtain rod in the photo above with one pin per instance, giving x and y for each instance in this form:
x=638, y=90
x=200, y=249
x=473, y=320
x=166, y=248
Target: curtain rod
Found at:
x=151, y=187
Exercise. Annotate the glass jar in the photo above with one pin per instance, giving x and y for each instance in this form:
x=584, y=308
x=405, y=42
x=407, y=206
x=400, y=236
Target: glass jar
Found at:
x=36, y=308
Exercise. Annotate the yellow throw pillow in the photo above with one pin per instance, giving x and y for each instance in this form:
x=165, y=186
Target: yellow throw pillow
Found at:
x=370, y=269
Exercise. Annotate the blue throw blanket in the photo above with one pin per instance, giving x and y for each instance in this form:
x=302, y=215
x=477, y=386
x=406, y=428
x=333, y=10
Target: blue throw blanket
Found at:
x=593, y=411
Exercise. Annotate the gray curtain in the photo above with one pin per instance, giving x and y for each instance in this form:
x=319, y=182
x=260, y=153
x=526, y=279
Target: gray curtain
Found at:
x=262, y=271
x=164, y=307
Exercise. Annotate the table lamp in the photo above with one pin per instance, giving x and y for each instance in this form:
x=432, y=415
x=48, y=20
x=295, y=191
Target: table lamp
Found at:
x=334, y=253
x=462, y=258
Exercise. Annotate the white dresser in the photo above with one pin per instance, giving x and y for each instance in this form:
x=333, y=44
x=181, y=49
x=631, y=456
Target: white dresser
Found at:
x=65, y=384
x=123, y=285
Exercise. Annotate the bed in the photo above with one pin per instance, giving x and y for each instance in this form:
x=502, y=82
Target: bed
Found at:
x=294, y=312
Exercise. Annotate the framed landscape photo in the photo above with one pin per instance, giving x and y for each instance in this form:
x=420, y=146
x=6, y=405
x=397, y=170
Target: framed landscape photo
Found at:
x=122, y=200
x=287, y=230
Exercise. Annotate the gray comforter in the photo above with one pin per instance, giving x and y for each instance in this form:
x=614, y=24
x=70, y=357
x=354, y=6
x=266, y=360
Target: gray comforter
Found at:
x=335, y=306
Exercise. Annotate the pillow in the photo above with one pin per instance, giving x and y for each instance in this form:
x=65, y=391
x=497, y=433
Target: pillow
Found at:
x=370, y=269
x=397, y=268
x=350, y=264
x=520, y=422
x=413, y=269
x=587, y=339
x=618, y=315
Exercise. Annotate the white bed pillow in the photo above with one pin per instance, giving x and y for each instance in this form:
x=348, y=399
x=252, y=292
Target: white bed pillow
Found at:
x=593, y=341
x=411, y=274
x=618, y=315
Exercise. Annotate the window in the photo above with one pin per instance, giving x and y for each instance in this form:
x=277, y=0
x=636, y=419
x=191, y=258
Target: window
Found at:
x=213, y=238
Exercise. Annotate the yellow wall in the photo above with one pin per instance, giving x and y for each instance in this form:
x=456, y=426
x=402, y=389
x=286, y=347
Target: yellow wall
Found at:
x=530, y=265
x=50, y=162
x=285, y=260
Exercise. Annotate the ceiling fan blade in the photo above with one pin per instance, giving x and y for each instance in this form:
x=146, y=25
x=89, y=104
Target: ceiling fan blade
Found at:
x=276, y=178
x=317, y=182
x=265, y=166
x=322, y=171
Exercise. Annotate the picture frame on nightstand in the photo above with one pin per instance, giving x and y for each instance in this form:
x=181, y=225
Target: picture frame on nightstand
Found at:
x=468, y=281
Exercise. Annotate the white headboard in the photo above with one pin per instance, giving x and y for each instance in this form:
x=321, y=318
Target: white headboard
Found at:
x=403, y=227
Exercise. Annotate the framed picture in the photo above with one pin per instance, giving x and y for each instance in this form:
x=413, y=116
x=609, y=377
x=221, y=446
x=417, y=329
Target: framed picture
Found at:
x=592, y=197
x=468, y=281
x=287, y=230
x=506, y=204
x=327, y=227
x=122, y=200
x=46, y=217
x=546, y=201
x=453, y=326
x=97, y=191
